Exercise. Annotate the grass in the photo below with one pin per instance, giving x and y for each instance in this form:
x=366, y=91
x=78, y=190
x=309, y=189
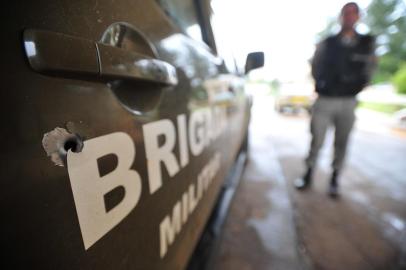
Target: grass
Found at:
x=382, y=107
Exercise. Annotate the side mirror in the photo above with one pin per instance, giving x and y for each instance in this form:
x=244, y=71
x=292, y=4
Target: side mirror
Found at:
x=254, y=60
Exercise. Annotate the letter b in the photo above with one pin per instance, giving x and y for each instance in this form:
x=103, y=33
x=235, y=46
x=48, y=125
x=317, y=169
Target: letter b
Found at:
x=89, y=188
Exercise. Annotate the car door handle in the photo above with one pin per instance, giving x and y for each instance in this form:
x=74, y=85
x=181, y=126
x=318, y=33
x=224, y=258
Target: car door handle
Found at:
x=72, y=57
x=116, y=63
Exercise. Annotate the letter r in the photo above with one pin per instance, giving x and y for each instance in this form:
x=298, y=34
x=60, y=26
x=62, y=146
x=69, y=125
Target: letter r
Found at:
x=159, y=154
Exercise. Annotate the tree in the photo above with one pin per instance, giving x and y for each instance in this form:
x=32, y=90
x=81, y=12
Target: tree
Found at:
x=399, y=80
x=387, y=20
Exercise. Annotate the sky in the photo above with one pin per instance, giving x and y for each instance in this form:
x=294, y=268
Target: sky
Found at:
x=284, y=29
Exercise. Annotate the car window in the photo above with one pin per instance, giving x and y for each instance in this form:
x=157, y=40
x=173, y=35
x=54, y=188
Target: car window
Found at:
x=225, y=47
x=183, y=14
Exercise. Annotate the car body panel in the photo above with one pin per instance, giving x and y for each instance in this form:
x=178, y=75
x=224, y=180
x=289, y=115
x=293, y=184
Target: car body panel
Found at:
x=42, y=227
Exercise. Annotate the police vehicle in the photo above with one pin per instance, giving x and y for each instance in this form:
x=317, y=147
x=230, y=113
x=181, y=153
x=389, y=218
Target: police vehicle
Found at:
x=121, y=129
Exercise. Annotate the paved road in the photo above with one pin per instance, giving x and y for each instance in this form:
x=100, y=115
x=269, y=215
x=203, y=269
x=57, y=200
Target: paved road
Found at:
x=273, y=226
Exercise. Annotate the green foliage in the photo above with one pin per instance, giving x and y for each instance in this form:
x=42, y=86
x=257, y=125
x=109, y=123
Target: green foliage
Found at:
x=381, y=107
x=379, y=17
x=387, y=20
x=389, y=63
x=387, y=66
x=399, y=80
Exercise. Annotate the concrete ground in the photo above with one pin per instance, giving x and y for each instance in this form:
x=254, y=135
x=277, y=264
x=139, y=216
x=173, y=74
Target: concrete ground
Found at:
x=273, y=226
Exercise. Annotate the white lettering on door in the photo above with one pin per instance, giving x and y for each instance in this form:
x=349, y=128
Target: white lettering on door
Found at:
x=89, y=188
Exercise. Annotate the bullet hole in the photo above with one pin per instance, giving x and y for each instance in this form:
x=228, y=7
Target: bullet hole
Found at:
x=58, y=142
x=73, y=144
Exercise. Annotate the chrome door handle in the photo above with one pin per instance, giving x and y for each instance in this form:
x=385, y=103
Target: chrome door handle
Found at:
x=68, y=56
x=116, y=63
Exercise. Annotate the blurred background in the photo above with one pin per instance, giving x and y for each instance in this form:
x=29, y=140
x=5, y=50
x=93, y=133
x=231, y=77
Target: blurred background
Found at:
x=273, y=226
x=288, y=31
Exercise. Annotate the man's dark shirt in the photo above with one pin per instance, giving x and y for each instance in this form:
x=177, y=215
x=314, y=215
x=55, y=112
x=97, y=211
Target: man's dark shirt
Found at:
x=343, y=66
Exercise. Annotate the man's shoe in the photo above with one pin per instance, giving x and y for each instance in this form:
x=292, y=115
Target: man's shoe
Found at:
x=333, y=190
x=301, y=183
x=305, y=181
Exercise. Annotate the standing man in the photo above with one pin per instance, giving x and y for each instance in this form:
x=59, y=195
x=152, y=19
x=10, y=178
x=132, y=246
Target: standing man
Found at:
x=342, y=66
